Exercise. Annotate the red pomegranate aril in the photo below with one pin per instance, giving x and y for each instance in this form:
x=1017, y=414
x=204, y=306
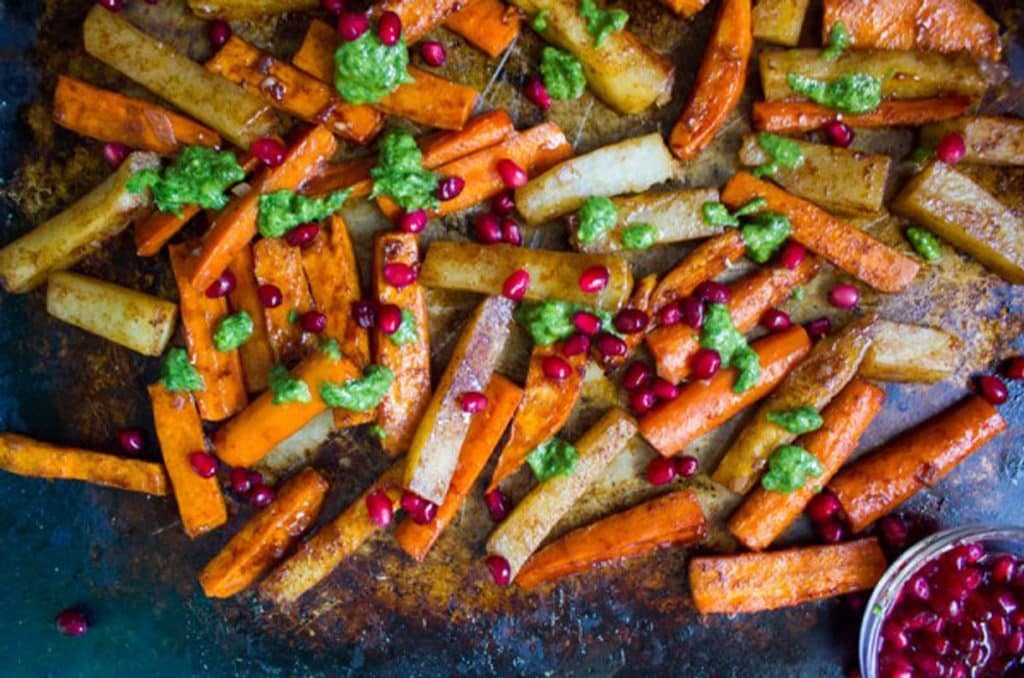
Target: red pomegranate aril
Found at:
x=270, y=152
x=302, y=235
x=333, y=6
x=131, y=440
x=712, y=292
x=686, y=466
x=594, y=279
x=512, y=175
x=637, y=375
x=705, y=363
x=240, y=481
x=380, y=508
x=255, y=478
x=818, y=328
x=630, y=321
x=498, y=505
x=473, y=402
x=511, y=233
x=978, y=655
x=587, y=323
x=642, y=400
x=411, y=502
x=920, y=588
x=352, y=25
x=487, y=228
x=661, y=471
x=114, y=153
x=412, y=222
x=536, y=92
x=450, y=188
x=822, y=507
x=313, y=322
x=364, y=313
x=261, y=496
x=576, y=344
x=1015, y=645
x=894, y=635
x=894, y=531
x=425, y=514
x=831, y=531
x=993, y=389
x=844, y=296
x=919, y=620
x=219, y=31
x=936, y=643
x=1005, y=602
x=1000, y=627
x=839, y=133
x=555, y=368
x=389, y=318
x=389, y=28
x=270, y=296
x=775, y=320
x=610, y=346
x=1015, y=369
x=500, y=570
x=503, y=204
x=516, y=284
x=111, y=5
x=928, y=663
x=792, y=254
x=1002, y=569
x=664, y=389
x=399, y=275
x=222, y=286
x=72, y=622
x=433, y=53
x=692, y=310
x=671, y=314
x=951, y=148
x=204, y=464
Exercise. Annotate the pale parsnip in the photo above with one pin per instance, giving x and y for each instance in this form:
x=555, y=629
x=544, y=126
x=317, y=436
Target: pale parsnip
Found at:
x=903, y=352
x=779, y=21
x=988, y=140
x=248, y=9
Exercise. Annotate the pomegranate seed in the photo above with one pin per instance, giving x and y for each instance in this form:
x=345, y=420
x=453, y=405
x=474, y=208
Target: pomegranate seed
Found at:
x=937, y=644
x=1015, y=369
x=270, y=296
x=832, y=531
x=72, y=622
x=302, y=235
x=928, y=663
x=255, y=478
x=240, y=481
x=204, y=464
x=131, y=440
x=389, y=28
x=419, y=509
x=920, y=620
x=686, y=466
x=670, y=315
x=920, y=588
x=501, y=572
x=1015, y=645
x=389, y=318
x=503, y=204
x=270, y=152
x=775, y=320
x=473, y=402
x=818, y=328
x=587, y=323
x=895, y=636
x=536, y=92
x=333, y=6
x=792, y=254
x=642, y=400
x=411, y=502
x=839, y=133
x=487, y=228
x=399, y=275
x=630, y=321
x=594, y=279
x=433, y=53
x=637, y=375
x=1017, y=619
x=951, y=148
x=894, y=531
x=664, y=389
x=692, y=310
x=1005, y=602
x=380, y=508
x=822, y=507
x=661, y=471
x=498, y=505
x=222, y=286
x=412, y=222
x=219, y=31
x=1002, y=569
x=1000, y=626
x=610, y=346
x=973, y=553
x=844, y=296
x=351, y=25
x=576, y=344
x=261, y=496
x=364, y=313
x=712, y=292
x=515, y=285
x=112, y=5
x=511, y=233
x=450, y=187
x=114, y=153
x=512, y=175
x=992, y=389
x=555, y=368
x=313, y=322
x=705, y=363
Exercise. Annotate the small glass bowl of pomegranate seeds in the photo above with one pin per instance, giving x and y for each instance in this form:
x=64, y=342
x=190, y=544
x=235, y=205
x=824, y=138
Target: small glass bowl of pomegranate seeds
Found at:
x=949, y=606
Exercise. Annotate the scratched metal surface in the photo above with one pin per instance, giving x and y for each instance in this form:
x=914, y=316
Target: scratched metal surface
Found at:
x=126, y=558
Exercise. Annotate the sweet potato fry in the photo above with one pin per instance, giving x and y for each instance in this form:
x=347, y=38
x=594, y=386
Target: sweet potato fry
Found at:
x=248, y=10
x=643, y=291
x=402, y=407
x=489, y=25
x=766, y=514
x=266, y=537
x=669, y=520
x=845, y=246
x=26, y=457
x=200, y=502
x=256, y=354
x=779, y=21
x=485, y=431
x=901, y=352
x=703, y=406
x=720, y=81
x=419, y=17
x=707, y=260
x=685, y=8
x=223, y=391
x=988, y=140
x=879, y=482
x=793, y=117
x=755, y=582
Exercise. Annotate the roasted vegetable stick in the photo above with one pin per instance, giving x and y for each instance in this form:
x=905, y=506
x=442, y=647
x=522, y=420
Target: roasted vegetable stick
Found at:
x=138, y=321
x=484, y=433
x=256, y=354
x=793, y=117
x=519, y=535
x=672, y=519
x=239, y=116
x=419, y=17
x=26, y=457
x=489, y=25
x=826, y=370
x=630, y=166
x=779, y=21
x=180, y=432
x=969, y=217
x=266, y=537
x=988, y=140
x=248, y=9
x=766, y=514
x=402, y=407
x=703, y=406
x=902, y=352
x=65, y=239
x=845, y=246
x=277, y=263
x=434, y=450
x=553, y=275
x=707, y=260
x=882, y=480
x=720, y=81
x=755, y=582
x=685, y=8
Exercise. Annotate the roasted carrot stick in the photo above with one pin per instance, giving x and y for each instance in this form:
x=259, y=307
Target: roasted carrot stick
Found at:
x=547, y=404
x=332, y=544
x=488, y=25
x=754, y=582
x=766, y=514
x=669, y=520
x=879, y=482
x=685, y=8
x=223, y=391
x=720, y=81
x=485, y=431
x=256, y=354
x=248, y=437
x=200, y=502
x=673, y=346
x=703, y=406
x=277, y=263
x=793, y=117
x=711, y=257
x=643, y=291
x=845, y=246
x=402, y=407
x=109, y=116
x=26, y=457
x=265, y=538
x=235, y=226
x=419, y=17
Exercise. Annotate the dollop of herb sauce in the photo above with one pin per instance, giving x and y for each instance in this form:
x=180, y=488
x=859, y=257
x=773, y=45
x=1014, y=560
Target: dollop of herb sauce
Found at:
x=178, y=374
x=717, y=214
x=596, y=218
x=801, y=420
x=838, y=41
x=602, y=23
x=720, y=334
x=286, y=388
x=553, y=458
x=283, y=210
x=359, y=395
x=562, y=74
x=855, y=93
x=781, y=151
x=399, y=173
x=331, y=349
x=196, y=176
x=763, y=234
x=789, y=468
x=551, y=321
x=540, y=21
x=366, y=70
x=406, y=332
x=924, y=243
x=639, y=236
x=232, y=331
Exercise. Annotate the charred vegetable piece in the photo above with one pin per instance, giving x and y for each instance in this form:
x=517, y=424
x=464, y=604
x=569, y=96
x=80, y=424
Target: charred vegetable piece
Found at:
x=988, y=140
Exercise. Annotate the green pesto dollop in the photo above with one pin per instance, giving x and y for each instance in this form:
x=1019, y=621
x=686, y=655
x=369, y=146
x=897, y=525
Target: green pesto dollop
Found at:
x=600, y=22
x=232, y=331
x=406, y=332
x=399, y=173
x=196, y=176
x=799, y=421
x=854, y=93
x=178, y=374
x=717, y=214
x=922, y=155
x=838, y=41
x=924, y=243
x=562, y=74
x=366, y=70
x=550, y=321
x=286, y=388
x=789, y=468
x=798, y=293
x=359, y=395
x=540, y=21
x=378, y=432
x=763, y=234
x=781, y=152
x=553, y=458
x=281, y=211
x=720, y=334
x=596, y=217
x=331, y=348
x=639, y=236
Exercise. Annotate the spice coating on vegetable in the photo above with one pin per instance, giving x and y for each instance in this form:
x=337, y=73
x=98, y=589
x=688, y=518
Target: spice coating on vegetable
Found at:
x=562, y=73
x=367, y=70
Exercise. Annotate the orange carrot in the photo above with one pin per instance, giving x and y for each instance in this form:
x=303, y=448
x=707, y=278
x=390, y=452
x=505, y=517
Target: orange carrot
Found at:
x=266, y=537
x=879, y=482
x=673, y=346
x=547, y=404
x=109, y=116
x=235, y=225
x=685, y=8
x=26, y=457
x=669, y=520
x=845, y=246
x=720, y=81
x=754, y=582
x=223, y=391
x=793, y=117
x=711, y=257
x=489, y=25
x=766, y=514
x=640, y=300
x=256, y=354
x=247, y=438
x=277, y=263
x=419, y=17
x=200, y=502
x=703, y=406
x=484, y=433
